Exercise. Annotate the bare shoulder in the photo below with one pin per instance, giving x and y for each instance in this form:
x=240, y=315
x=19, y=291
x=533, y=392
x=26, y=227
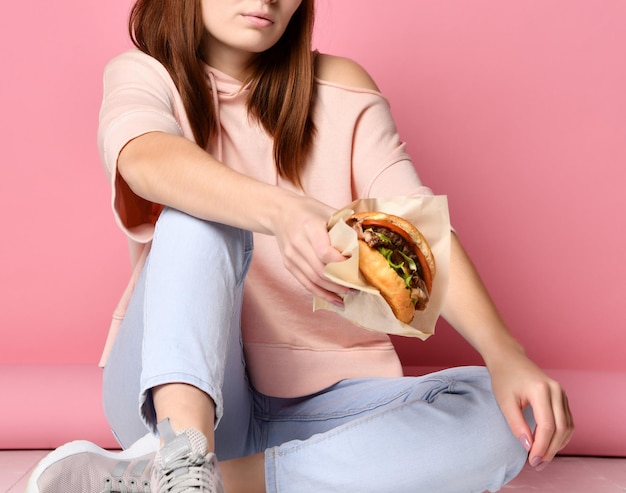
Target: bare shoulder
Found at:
x=344, y=71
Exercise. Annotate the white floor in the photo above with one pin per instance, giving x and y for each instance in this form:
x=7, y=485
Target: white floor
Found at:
x=564, y=475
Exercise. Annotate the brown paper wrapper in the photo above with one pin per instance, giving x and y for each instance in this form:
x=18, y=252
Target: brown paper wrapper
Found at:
x=363, y=305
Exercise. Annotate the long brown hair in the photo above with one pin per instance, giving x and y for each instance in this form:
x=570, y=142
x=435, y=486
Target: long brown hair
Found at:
x=281, y=81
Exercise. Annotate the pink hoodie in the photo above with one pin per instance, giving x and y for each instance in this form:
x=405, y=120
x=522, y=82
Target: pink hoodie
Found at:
x=290, y=350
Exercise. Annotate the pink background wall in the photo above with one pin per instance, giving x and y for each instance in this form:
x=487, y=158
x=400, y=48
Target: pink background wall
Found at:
x=516, y=110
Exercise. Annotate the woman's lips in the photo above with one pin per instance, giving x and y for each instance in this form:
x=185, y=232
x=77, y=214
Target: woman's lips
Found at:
x=259, y=19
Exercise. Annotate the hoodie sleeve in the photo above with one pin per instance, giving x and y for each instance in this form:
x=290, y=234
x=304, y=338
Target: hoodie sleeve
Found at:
x=381, y=165
x=138, y=97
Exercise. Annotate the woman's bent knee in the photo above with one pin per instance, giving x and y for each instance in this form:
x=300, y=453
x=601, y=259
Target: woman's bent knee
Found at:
x=188, y=243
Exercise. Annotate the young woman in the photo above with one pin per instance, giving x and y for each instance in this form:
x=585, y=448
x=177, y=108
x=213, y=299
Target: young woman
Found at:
x=225, y=129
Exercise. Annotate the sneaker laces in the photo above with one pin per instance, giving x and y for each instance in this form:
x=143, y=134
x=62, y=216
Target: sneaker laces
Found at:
x=188, y=474
x=117, y=485
x=182, y=465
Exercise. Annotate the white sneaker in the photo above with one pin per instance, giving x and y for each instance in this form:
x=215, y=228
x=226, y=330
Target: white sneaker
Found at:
x=83, y=467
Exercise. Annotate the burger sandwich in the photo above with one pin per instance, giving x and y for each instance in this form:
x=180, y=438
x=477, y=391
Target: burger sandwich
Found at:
x=395, y=258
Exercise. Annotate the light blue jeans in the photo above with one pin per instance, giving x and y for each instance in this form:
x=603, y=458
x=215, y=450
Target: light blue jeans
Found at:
x=438, y=433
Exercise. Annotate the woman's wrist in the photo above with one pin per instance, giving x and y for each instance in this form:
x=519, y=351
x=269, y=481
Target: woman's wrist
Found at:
x=502, y=349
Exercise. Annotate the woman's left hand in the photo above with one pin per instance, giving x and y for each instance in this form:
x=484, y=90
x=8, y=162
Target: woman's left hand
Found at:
x=517, y=383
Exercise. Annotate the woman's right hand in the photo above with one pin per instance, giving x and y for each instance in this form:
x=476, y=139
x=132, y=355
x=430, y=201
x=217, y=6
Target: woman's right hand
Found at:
x=302, y=235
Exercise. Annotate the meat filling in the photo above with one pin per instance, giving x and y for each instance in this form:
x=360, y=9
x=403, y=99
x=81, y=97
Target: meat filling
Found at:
x=397, y=249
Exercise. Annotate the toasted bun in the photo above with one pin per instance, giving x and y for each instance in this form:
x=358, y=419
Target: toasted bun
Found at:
x=376, y=270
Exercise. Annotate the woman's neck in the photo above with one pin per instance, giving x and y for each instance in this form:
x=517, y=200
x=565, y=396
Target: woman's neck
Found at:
x=230, y=61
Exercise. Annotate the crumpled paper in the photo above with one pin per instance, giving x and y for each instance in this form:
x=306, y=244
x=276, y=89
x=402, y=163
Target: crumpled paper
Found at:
x=363, y=305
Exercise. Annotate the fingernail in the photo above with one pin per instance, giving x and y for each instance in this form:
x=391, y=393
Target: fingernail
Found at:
x=542, y=466
x=536, y=461
x=525, y=442
x=338, y=304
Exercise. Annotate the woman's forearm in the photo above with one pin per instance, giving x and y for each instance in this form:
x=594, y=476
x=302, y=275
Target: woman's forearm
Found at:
x=173, y=171
x=471, y=311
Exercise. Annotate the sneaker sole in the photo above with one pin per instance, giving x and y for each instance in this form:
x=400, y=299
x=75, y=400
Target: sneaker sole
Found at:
x=144, y=446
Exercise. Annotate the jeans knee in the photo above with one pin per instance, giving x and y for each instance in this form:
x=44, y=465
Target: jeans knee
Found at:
x=499, y=451
x=493, y=455
x=192, y=242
